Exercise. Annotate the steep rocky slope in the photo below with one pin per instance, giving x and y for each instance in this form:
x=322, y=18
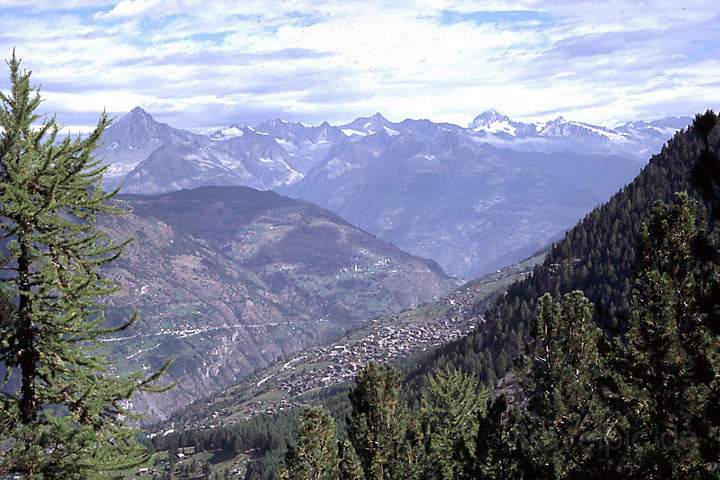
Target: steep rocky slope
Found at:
x=291, y=382
x=228, y=279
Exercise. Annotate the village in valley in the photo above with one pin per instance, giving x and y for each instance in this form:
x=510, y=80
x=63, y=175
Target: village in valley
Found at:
x=290, y=382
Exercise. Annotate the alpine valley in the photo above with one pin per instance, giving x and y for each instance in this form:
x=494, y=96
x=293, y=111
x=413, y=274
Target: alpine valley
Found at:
x=481, y=328
x=295, y=241
x=473, y=199
x=229, y=279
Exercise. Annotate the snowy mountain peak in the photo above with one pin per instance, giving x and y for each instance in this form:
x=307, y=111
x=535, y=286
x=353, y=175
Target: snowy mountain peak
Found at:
x=367, y=125
x=487, y=117
x=230, y=132
x=564, y=129
x=638, y=139
x=492, y=121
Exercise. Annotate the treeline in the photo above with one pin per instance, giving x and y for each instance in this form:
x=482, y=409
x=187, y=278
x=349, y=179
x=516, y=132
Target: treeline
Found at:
x=639, y=399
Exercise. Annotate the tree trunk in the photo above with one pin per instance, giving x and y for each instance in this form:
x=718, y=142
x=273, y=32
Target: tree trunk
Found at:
x=28, y=357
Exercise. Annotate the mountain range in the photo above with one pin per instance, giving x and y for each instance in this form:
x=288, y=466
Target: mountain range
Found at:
x=473, y=199
x=637, y=140
x=229, y=279
x=148, y=157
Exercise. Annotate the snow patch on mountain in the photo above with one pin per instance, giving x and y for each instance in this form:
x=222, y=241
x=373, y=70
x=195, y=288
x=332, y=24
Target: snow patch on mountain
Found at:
x=350, y=132
x=225, y=133
x=635, y=139
x=390, y=131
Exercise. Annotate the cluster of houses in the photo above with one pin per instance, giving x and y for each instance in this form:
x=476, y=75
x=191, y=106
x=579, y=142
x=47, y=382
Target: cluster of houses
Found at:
x=340, y=362
x=337, y=363
x=284, y=387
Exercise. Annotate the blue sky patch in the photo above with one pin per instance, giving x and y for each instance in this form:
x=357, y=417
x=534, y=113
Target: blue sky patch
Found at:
x=448, y=17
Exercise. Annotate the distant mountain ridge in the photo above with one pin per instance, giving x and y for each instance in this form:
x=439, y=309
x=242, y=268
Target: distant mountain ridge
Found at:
x=146, y=156
x=439, y=193
x=638, y=139
x=142, y=152
x=473, y=199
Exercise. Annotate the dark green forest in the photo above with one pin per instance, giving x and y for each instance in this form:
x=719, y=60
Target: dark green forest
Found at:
x=597, y=257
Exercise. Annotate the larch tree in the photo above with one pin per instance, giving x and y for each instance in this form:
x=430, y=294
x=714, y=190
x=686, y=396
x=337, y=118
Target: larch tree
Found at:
x=448, y=417
x=378, y=424
x=315, y=457
x=63, y=409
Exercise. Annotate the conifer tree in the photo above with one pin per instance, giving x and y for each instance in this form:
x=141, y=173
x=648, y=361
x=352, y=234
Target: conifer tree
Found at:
x=706, y=177
x=377, y=426
x=350, y=466
x=560, y=373
x=499, y=445
x=410, y=453
x=448, y=416
x=666, y=388
x=706, y=171
x=316, y=455
x=65, y=420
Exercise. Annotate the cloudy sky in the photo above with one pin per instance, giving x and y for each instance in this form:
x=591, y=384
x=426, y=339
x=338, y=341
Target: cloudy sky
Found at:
x=205, y=63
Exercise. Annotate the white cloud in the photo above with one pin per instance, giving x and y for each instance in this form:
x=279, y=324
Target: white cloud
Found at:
x=204, y=63
x=129, y=8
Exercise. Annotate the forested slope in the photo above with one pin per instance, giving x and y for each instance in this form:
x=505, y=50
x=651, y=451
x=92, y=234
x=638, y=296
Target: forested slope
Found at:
x=597, y=256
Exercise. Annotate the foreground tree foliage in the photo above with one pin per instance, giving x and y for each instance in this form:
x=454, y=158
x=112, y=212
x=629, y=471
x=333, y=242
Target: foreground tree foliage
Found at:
x=316, y=453
x=499, y=446
x=63, y=406
x=560, y=374
x=668, y=379
x=379, y=422
x=350, y=466
x=448, y=414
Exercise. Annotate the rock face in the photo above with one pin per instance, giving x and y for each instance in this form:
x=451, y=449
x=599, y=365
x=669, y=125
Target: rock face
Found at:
x=148, y=157
x=229, y=279
x=473, y=199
